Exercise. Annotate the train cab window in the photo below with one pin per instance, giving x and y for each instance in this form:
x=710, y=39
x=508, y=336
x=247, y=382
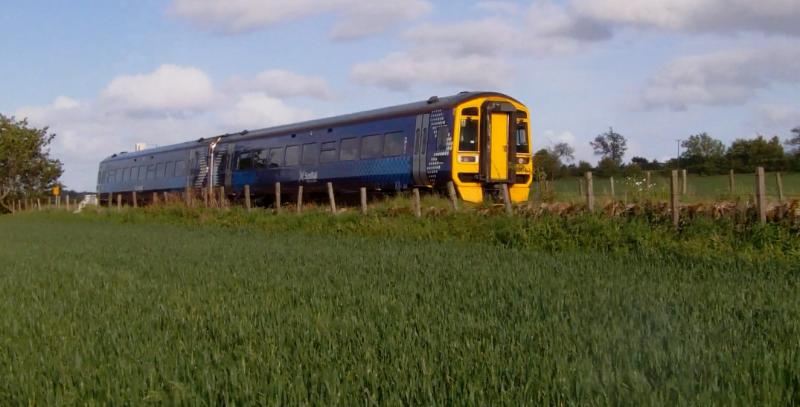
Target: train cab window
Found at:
x=348, y=151
x=310, y=152
x=442, y=134
x=292, y=155
x=470, y=111
x=468, y=140
x=371, y=146
x=522, y=138
x=328, y=152
x=275, y=157
x=394, y=144
x=180, y=167
x=160, y=170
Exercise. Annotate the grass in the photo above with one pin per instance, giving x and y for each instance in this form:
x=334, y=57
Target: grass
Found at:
x=199, y=307
x=699, y=188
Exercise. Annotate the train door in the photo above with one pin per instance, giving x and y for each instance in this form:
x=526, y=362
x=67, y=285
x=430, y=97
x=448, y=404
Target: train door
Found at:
x=498, y=147
x=419, y=170
x=226, y=166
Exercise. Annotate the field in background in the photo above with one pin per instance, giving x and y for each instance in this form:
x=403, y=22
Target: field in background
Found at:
x=213, y=307
x=700, y=188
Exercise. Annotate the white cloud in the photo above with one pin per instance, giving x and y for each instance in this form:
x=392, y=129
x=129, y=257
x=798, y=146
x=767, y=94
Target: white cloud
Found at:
x=723, y=78
x=284, y=84
x=169, y=88
x=401, y=71
x=779, y=116
x=255, y=110
x=356, y=18
x=712, y=16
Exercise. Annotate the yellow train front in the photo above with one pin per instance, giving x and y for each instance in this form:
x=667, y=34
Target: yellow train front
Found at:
x=492, y=147
x=478, y=140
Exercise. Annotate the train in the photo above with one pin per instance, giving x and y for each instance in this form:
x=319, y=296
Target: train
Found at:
x=479, y=141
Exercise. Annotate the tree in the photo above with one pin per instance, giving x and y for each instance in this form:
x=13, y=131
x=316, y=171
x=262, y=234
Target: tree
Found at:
x=26, y=169
x=544, y=162
x=610, y=145
x=795, y=140
x=702, y=154
x=745, y=155
x=608, y=167
x=563, y=151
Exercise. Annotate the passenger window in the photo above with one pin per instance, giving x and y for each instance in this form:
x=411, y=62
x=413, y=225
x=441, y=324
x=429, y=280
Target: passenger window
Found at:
x=160, y=170
x=180, y=167
x=169, y=169
x=142, y=172
x=348, y=149
x=328, y=152
x=245, y=161
x=442, y=133
x=395, y=144
x=151, y=171
x=261, y=159
x=468, y=140
x=275, y=157
x=310, y=152
x=522, y=138
x=292, y=155
x=371, y=146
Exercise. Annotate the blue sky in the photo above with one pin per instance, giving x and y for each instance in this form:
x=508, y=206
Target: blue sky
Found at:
x=107, y=74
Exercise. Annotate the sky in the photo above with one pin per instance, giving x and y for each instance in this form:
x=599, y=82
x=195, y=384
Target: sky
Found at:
x=107, y=74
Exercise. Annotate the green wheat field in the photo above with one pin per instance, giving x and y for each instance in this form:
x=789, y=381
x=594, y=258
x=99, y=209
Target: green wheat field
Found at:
x=203, y=308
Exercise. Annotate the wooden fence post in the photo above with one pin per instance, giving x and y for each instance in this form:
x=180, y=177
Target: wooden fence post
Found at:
x=507, y=200
x=223, y=202
x=649, y=178
x=589, y=191
x=134, y=200
x=165, y=197
x=187, y=197
x=110, y=200
x=205, y=197
x=731, y=182
x=300, y=199
x=247, y=203
x=613, y=193
x=67, y=202
x=417, y=204
x=277, y=197
x=779, y=181
x=155, y=199
x=451, y=191
x=331, y=198
x=363, y=191
x=684, y=188
x=761, y=195
x=38, y=204
x=673, y=200
x=119, y=202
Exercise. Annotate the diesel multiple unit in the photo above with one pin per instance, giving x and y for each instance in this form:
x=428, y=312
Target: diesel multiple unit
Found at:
x=477, y=140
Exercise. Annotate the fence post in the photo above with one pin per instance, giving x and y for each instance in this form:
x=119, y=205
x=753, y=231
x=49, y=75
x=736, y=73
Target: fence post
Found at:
x=761, y=195
x=417, y=204
x=363, y=191
x=731, y=182
x=134, y=200
x=205, y=197
x=110, y=199
x=613, y=193
x=507, y=200
x=684, y=187
x=331, y=198
x=451, y=191
x=673, y=200
x=247, y=197
x=277, y=197
x=119, y=202
x=155, y=199
x=300, y=199
x=68, y=202
x=648, y=177
x=165, y=197
x=589, y=191
x=38, y=204
x=187, y=197
x=779, y=181
x=222, y=201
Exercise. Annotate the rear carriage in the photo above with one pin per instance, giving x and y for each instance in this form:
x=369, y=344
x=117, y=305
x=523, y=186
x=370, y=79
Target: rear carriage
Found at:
x=477, y=140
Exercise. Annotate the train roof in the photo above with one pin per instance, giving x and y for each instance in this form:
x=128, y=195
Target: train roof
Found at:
x=433, y=103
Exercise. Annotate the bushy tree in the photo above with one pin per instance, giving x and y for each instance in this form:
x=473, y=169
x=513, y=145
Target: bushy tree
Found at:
x=647, y=165
x=563, y=151
x=703, y=154
x=608, y=167
x=546, y=164
x=745, y=155
x=794, y=141
x=610, y=145
x=26, y=169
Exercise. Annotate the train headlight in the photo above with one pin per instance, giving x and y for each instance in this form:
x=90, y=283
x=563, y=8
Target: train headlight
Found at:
x=467, y=159
x=523, y=160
